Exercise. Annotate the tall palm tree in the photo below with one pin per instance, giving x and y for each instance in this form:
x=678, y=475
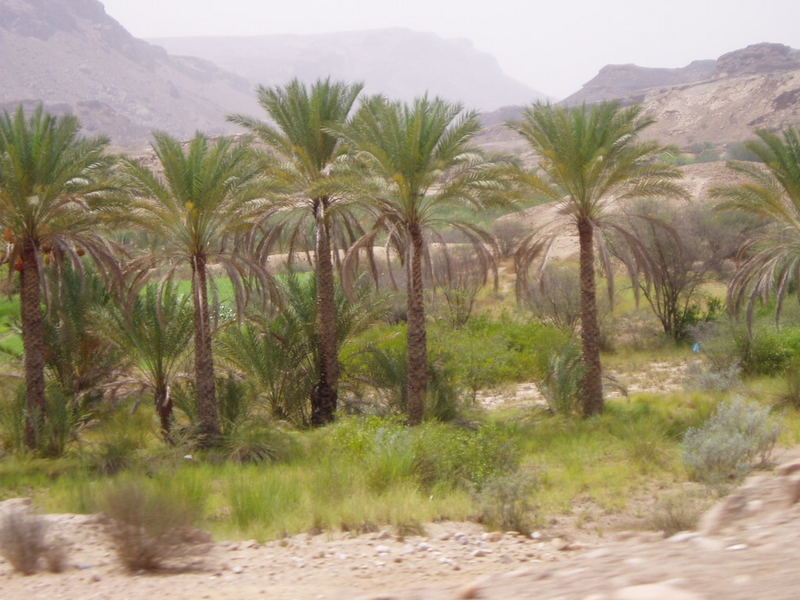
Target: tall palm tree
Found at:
x=51, y=189
x=589, y=157
x=203, y=197
x=301, y=159
x=418, y=160
x=772, y=195
x=153, y=327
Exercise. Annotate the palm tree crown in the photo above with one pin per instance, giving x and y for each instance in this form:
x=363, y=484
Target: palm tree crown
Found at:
x=772, y=194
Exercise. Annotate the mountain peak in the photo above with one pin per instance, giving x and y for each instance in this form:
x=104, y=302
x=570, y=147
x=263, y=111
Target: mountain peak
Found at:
x=758, y=59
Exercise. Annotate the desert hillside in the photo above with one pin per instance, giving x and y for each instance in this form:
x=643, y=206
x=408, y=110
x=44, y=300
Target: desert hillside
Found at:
x=72, y=56
x=720, y=102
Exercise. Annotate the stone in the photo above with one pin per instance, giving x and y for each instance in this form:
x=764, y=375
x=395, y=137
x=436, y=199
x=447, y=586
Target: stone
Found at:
x=383, y=550
x=654, y=591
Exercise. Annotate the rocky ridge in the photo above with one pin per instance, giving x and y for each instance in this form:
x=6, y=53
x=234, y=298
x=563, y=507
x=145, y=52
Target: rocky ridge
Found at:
x=73, y=57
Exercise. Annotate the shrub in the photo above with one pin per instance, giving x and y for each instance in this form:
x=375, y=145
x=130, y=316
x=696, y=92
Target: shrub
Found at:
x=726, y=446
x=503, y=502
x=22, y=539
x=560, y=384
x=24, y=543
x=150, y=527
x=707, y=378
x=678, y=512
x=556, y=297
x=451, y=456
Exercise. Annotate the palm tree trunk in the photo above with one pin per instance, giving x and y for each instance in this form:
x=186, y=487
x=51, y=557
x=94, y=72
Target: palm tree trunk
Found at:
x=592, y=384
x=417, y=342
x=33, y=344
x=164, y=410
x=207, y=414
x=324, y=396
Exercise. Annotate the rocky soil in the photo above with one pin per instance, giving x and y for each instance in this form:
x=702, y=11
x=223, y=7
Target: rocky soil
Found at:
x=746, y=548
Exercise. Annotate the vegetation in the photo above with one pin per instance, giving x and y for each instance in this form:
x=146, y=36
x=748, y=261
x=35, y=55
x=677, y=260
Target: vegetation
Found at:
x=289, y=413
x=203, y=198
x=589, y=155
x=51, y=195
x=419, y=159
x=303, y=169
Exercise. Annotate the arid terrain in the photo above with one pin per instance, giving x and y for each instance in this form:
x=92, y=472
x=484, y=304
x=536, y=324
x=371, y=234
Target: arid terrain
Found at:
x=745, y=549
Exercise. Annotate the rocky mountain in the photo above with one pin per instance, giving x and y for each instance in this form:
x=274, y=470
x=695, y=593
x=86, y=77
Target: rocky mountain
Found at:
x=397, y=62
x=719, y=102
x=621, y=81
x=73, y=57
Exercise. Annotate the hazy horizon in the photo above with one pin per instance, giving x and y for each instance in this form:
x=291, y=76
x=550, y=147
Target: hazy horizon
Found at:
x=573, y=39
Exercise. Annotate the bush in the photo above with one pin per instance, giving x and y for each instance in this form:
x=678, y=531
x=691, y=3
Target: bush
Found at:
x=561, y=384
x=503, y=503
x=555, y=298
x=678, y=512
x=727, y=445
x=707, y=378
x=22, y=539
x=150, y=527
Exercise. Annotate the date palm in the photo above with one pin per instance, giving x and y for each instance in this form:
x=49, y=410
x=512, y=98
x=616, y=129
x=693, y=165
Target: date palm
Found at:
x=589, y=158
x=301, y=160
x=52, y=184
x=416, y=160
x=153, y=327
x=771, y=193
x=199, y=202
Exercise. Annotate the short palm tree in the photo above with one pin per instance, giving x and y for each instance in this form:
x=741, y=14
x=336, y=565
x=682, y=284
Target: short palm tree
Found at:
x=417, y=159
x=196, y=206
x=771, y=194
x=52, y=184
x=590, y=157
x=153, y=328
x=301, y=161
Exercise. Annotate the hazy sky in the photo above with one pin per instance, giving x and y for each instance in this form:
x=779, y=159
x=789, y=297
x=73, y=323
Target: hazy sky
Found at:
x=552, y=45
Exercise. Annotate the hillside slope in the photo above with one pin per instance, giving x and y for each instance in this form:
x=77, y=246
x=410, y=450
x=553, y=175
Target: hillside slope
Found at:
x=757, y=87
x=72, y=56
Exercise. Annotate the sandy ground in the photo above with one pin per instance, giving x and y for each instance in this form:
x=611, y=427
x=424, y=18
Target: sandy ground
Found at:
x=746, y=549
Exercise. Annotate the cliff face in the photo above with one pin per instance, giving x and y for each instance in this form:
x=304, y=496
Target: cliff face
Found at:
x=71, y=56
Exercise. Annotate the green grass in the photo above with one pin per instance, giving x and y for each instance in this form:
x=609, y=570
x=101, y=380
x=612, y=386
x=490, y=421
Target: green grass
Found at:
x=365, y=473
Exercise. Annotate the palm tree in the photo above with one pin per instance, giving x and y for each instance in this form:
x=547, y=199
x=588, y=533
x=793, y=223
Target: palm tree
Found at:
x=153, y=328
x=51, y=187
x=772, y=195
x=419, y=160
x=301, y=160
x=203, y=198
x=588, y=158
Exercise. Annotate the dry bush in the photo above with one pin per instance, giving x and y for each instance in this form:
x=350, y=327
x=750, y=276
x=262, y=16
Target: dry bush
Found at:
x=151, y=529
x=679, y=512
x=22, y=539
x=509, y=232
x=555, y=298
x=55, y=555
